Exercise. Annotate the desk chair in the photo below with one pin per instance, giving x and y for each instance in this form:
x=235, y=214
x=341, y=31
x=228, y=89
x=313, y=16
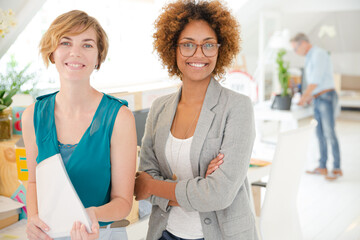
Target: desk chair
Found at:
x=279, y=218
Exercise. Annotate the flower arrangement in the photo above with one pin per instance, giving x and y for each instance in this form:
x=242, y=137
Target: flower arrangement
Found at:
x=18, y=79
x=11, y=83
x=7, y=20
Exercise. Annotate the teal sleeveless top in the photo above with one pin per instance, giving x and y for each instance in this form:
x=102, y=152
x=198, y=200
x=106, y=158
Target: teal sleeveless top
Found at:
x=89, y=166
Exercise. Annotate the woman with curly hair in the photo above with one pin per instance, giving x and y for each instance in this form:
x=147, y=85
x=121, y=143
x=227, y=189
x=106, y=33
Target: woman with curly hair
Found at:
x=197, y=144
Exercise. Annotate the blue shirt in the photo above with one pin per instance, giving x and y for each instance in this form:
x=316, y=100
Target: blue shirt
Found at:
x=89, y=166
x=319, y=70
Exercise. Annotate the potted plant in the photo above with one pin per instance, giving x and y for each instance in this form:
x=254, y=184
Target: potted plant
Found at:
x=282, y=101
x=11, y=83
x=6, y=113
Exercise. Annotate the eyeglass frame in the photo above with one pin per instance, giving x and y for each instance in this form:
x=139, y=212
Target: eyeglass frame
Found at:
x=197, y=46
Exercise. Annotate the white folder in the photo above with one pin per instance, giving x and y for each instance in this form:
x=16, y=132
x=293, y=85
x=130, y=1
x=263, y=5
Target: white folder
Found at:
x=59, y=206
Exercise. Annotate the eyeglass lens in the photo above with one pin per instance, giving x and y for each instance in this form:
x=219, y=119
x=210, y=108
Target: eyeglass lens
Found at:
x=189, y=49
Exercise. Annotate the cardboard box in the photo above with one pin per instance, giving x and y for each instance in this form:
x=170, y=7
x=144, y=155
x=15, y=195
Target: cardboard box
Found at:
x=8, y=221
x=8, y=170
x=349, y=82
x=20, y=153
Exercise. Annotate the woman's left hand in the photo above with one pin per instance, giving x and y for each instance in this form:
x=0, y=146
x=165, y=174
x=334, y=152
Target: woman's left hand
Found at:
x=78, y=232
x=141, y=191
x=214, y=164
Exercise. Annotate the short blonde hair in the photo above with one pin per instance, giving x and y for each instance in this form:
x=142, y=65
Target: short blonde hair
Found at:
x=74, y=22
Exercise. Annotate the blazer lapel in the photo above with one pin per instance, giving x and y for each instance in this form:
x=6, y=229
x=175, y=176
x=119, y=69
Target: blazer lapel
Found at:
x=203, y=125
x=165, y=120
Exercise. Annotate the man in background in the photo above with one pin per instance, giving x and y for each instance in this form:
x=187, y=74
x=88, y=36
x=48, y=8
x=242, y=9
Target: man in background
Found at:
x=320, y=88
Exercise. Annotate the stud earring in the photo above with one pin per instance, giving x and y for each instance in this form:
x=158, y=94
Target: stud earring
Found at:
x=96, y=66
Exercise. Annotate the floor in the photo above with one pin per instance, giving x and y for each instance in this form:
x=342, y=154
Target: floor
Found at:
x=328, y=210
x=331, y=210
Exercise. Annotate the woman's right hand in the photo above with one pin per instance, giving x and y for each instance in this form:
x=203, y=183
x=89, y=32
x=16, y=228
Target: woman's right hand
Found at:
x=214, y=164
x=36, y=229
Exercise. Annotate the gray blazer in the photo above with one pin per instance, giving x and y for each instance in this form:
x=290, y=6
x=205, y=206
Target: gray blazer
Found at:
x=226, y=125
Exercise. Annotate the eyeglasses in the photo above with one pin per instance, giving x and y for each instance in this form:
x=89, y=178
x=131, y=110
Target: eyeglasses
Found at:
x=189, y=49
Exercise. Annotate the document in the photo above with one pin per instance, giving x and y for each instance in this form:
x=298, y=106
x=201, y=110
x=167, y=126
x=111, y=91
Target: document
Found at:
x=59, y=205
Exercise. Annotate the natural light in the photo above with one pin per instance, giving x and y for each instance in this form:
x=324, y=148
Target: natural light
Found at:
x=129, y=25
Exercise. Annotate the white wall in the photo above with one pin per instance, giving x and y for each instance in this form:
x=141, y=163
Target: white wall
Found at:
x=347, y=63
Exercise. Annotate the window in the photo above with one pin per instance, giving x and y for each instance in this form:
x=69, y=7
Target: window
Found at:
x=129, y=25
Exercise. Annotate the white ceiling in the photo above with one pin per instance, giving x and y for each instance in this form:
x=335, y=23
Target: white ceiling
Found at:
x=306, y=16
x=24, y=10
x=297, y=15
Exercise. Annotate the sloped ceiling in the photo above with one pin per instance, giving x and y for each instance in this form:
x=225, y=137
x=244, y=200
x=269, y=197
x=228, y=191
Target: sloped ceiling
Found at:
x=24, y=11
x=347, y=27
x=305, y=16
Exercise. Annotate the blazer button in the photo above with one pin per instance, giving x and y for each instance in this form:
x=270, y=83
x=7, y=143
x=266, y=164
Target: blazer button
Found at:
x=207, y=221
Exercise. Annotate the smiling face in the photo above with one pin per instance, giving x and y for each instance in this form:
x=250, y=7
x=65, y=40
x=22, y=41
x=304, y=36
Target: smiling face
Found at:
x=76, y=55
x=197, y=67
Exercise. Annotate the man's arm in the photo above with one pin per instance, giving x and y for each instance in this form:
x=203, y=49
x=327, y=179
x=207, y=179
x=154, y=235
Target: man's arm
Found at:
x=307, y=95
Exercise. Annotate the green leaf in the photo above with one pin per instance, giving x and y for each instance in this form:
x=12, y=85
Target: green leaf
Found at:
x=7, y=99
x=283, y=74
x=7, y=102
x=2, y=107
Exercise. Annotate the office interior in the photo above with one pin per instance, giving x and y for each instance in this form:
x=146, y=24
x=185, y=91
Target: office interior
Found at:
x=317, y=209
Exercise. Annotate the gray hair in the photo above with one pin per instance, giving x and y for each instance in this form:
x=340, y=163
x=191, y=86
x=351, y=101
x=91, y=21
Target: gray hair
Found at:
x=300, y=37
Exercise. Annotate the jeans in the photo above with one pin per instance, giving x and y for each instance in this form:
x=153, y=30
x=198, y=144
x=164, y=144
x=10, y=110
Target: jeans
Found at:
x=325, y=107
x=168, y=236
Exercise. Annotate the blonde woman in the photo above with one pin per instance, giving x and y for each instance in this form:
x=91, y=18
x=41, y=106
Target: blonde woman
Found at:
x=93, y=132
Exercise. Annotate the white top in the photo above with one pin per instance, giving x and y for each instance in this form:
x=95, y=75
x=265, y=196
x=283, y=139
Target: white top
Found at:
x=181, y=223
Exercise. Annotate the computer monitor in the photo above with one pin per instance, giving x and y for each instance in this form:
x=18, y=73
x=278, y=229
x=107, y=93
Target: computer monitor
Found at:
x=303, y=81
x=140, y=120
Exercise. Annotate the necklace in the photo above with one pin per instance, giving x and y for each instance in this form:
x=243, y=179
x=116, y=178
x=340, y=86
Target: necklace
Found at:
x=174, y=177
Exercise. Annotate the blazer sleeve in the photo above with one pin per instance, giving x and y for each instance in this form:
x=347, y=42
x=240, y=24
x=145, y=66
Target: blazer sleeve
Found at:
x=219, y=189
x=148, y=160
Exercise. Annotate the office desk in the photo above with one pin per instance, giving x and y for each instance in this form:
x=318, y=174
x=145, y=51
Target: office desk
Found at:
x=257, y=173
x=289, y=119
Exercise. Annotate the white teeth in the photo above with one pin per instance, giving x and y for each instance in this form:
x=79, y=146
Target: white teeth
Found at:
x=197, y=64
x=74, y=65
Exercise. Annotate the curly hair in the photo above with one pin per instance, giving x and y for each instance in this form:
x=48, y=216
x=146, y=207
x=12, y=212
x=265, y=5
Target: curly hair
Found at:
x=72, y=23
x=173, y=20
